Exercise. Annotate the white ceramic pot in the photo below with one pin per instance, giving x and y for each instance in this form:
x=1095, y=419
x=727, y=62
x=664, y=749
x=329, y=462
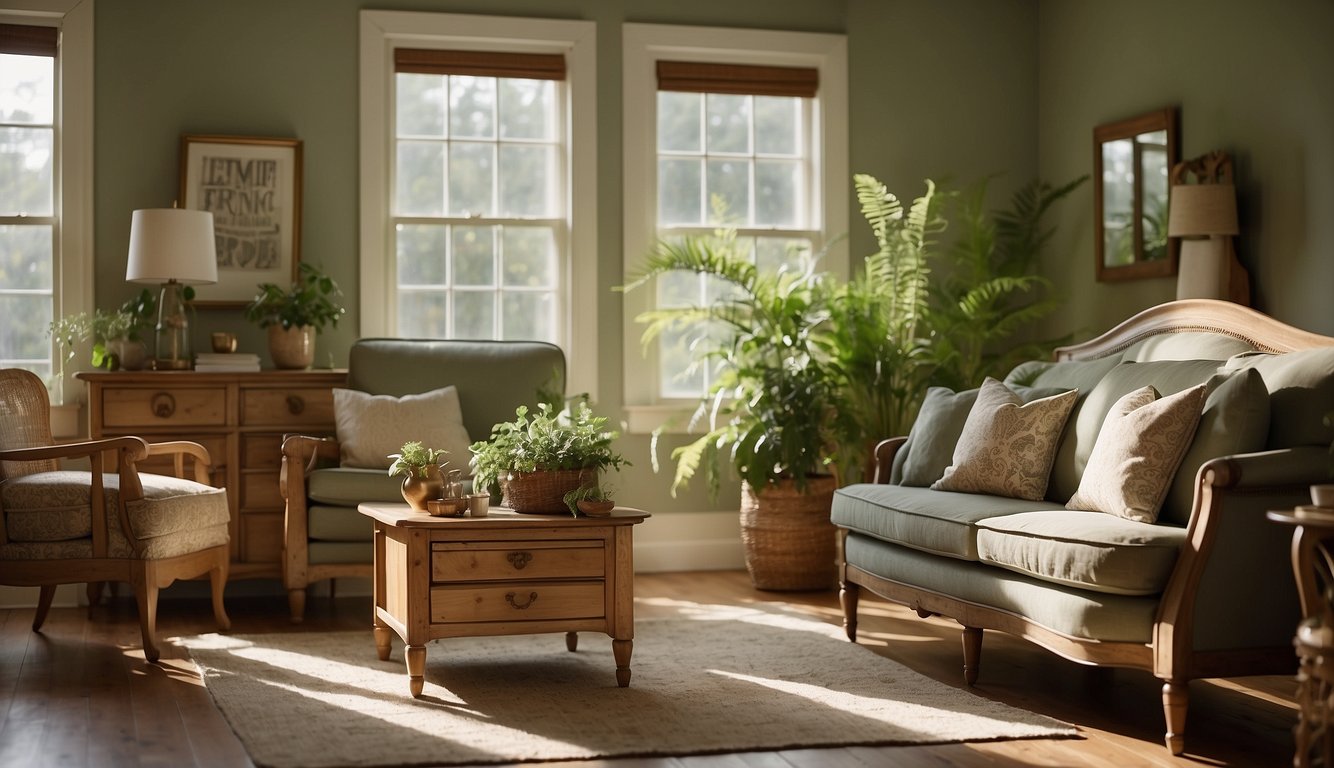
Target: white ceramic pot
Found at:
x=1322, y=495
x=292, y=347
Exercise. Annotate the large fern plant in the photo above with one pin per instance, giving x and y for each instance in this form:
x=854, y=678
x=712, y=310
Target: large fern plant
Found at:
x=772, y=405
x=988, y=298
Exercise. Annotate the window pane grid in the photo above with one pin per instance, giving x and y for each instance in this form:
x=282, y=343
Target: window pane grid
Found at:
x=480, y=165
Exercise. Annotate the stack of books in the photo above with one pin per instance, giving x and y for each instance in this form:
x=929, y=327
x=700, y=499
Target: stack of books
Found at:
x=206, y=362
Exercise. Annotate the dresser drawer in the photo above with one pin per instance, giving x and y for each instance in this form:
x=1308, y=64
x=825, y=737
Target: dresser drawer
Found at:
x=261, y=538
x=287, y=407
x=496, y=561
x=150, y=408
x=259, y=490
x=262, y=451
x=520, y=601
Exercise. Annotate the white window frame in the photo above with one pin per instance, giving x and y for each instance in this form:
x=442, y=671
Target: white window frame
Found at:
x=383, y=31
x=72, y=283
x=642, y=46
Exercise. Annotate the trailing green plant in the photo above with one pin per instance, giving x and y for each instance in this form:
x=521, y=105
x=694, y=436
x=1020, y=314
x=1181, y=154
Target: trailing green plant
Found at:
x=989, y=291
x=772, y=403
x=415, y=460
x=546, y=439
x=312, y=299
x=593, y=491
x=135, y=316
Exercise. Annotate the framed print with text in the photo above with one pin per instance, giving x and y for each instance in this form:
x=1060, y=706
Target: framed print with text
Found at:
x=252, y=186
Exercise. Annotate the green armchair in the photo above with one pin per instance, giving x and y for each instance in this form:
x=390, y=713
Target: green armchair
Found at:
x=325, y=537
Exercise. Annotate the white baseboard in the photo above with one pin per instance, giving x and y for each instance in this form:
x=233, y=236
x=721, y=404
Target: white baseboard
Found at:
x=676, y=541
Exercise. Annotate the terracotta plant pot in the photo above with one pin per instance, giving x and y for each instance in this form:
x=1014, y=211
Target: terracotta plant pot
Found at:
x=595, y=508
x=292, y=348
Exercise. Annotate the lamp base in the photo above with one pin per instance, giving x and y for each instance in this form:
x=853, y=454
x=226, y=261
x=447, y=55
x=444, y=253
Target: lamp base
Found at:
x=173, y=330
x=1209, y=269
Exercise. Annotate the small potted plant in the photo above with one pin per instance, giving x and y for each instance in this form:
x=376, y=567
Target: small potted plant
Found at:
x=591, y=500
x=540, y=456
x=294, y=314
x=420, y=467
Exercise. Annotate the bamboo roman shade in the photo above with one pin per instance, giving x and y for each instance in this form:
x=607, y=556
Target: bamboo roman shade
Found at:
x=745, y=79
x=530, y=66
x=25, y=40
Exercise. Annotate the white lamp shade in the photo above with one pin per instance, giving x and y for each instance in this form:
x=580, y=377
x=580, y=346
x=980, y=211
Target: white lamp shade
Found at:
x=172, y=244
x=1202, y=209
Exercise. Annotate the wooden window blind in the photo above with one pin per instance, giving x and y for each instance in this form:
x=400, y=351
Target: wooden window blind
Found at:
x=26, y=40
x=746, y=79
x=530, y=66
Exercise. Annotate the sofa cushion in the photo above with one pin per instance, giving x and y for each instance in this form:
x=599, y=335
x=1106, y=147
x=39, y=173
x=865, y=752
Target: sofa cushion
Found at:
x=325, y=523
x=934, y=521
x=1081, y=431
x=370, y=427
x=940, y=420
x=1007, y=445
x=1186, y=345
x=1235, y=420
x=1301, y=392
x=1089, y=550
x=1136, y=455
x=349, y=486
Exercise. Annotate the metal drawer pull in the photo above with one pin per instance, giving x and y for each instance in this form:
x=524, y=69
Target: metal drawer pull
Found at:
x=164, y=405
x=519, y=559
x=295, y=405
x=509, y=598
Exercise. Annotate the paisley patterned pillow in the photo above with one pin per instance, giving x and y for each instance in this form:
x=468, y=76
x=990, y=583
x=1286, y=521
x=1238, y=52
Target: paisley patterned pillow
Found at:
x=1007, y=446
x=1138, y=450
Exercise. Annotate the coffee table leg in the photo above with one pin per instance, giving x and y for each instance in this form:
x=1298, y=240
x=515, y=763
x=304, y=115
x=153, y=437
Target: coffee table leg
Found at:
x=416, y=657
x=571, y=641
x=621, y=650
x=382, y=642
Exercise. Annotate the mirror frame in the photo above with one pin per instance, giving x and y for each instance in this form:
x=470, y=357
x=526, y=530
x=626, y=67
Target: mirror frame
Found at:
x=1157, y=120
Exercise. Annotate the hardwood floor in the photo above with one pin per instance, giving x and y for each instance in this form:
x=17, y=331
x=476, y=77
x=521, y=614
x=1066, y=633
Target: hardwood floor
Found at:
x=80, y=693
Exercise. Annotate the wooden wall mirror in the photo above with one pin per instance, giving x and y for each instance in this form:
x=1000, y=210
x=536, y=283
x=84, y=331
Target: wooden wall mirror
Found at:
x=1131, y=162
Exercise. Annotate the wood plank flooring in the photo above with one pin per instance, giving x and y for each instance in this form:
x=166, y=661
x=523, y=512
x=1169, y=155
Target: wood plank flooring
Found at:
x=79, y=693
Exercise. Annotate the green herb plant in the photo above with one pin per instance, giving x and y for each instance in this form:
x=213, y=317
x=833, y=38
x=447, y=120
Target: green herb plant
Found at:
x=415, y=460
x=311, y=300
x=545, y=439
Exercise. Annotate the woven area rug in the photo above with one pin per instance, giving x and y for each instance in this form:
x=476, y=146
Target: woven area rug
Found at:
x=725, y=680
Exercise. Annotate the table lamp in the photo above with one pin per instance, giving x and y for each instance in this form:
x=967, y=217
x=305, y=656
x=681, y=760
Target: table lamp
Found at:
x=1204, y=216
x=173, y=247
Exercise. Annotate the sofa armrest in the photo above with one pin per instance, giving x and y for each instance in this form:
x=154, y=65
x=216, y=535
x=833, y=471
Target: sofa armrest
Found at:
x=883, y=456
x=301, y=455
x=1287, y=468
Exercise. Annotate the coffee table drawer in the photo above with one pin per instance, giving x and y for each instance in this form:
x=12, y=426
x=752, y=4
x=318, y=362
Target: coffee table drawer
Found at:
x=528, y=560
x=521, y=601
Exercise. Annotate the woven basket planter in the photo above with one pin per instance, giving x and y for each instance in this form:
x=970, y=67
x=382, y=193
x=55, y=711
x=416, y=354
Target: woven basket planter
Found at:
x=542, y=492
x=789, y=542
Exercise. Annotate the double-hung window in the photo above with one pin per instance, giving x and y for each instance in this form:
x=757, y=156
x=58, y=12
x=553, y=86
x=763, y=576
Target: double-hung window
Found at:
x=736, y=129
x=477, y=211
x=45, y=177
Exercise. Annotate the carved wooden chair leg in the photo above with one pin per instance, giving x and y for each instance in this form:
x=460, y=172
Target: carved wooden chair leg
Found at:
x=145, y=595
x=972, y=653
x=44, y=598
x=848, y=597
x=218, y=581
x=94, y=593
x=1176, y=696
x=296, y=604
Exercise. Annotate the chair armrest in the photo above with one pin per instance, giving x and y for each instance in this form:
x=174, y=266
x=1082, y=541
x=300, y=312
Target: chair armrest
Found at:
x=883, y=456
x=302, y=454
x=179, y=449
x=132, y=448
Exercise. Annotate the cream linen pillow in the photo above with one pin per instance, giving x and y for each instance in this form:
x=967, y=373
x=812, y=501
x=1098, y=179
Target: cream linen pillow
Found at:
x=1141, y=444
x=370, y=427
x=1007, y=446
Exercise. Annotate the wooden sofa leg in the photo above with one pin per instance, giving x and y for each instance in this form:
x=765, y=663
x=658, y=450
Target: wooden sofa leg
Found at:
x=972, y=653
x=848, y=597
x=1175, y=698
x=44, y=598
x=296, y=604
x=145, y=595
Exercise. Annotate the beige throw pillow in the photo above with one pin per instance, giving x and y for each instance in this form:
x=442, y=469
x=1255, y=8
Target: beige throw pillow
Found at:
x=370, y=427
x=1007, y=446
x=1138, y=450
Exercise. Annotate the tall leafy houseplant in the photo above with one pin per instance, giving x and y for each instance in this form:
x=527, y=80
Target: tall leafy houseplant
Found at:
x=295, y=314
x=989, y=290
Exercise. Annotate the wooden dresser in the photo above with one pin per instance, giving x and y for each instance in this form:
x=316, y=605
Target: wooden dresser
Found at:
x=241, y=418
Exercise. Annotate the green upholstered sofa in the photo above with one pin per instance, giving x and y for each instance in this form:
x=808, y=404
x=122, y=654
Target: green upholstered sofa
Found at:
x=324, y=536
x=1206, y=591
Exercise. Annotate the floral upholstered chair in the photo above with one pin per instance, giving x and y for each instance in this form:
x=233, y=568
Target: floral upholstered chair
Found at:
x=109, y=523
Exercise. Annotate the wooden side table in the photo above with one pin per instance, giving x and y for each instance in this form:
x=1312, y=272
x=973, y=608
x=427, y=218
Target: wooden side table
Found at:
x=1313, y=568
x=503, y=574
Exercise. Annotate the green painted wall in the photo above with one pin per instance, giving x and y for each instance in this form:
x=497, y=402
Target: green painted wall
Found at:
x=946, y=89
x=1253, y=79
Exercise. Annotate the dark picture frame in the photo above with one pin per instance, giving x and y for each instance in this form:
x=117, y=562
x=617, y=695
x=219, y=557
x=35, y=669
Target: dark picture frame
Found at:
x=252, y=186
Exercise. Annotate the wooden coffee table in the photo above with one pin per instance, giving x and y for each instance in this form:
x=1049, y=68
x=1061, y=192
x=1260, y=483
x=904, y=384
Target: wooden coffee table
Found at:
x=503, y=574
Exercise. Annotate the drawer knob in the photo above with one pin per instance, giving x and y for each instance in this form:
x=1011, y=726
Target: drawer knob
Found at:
x=509, y=598
x=519, y=559
x=164, y=405
x=295, y=405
